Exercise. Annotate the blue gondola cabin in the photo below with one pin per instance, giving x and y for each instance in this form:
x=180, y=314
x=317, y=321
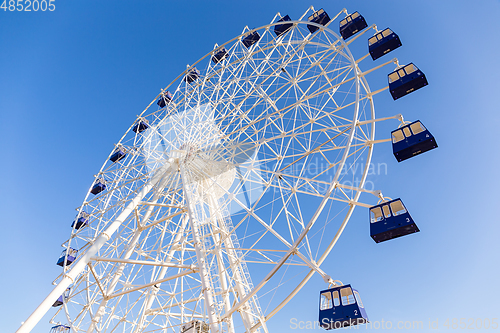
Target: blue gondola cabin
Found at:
x=219, y=55
x=406, y=80
x=390, y=220
x=341, y=307
x=81, y=221
x=411, y=140
x=250, y=39
x=351, y=25
x=164, y=99
x=383, y=43
x=319, y=17
x=192, y=75
x=69, y=258
x=118, y=154
x=140, y=126
x=60, y=329
x=61, y=299
x=98, y=187
x=280, y=29
x=58, y=302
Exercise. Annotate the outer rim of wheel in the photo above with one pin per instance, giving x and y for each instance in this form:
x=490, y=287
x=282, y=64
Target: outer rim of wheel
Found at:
x=346, y=150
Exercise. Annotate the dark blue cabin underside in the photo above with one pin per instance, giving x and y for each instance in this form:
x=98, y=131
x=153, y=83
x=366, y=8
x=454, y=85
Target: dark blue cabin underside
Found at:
x=192, y=76
x=399, y=89
x=392, y=227
x=69, y=261
x=395, y=233
x=402, y=153
x=117, y=155
x=60, y=329
x=163, y=101
x=251, y=39
x=98, y=188
x=321, y=19
x=353, y=27
x=140, y=126
x=280, y=29
x=384, y=46
x=58, y=302
x=79, y=223
x=219, y=55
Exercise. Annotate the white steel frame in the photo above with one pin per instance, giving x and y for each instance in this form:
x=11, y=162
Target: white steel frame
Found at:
x=172, y=238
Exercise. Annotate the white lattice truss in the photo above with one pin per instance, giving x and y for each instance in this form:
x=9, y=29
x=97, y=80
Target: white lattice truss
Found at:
x=233, y=197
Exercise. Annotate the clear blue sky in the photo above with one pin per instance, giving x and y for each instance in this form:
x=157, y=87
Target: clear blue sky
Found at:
x=73, y=80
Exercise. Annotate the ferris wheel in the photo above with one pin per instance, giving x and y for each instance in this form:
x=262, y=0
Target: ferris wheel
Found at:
x=229, y=191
